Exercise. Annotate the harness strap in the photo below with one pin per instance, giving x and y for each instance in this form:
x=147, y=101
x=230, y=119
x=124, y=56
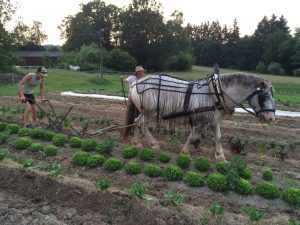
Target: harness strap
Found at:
x=158, y=99
x=189, y=112
x=187, y=99
x=215, y=87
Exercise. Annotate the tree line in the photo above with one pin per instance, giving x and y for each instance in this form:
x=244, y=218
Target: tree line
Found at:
x=139, y=34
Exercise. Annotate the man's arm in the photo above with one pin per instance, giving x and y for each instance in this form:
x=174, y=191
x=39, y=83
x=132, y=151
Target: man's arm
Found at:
x=24, y=80
x=42, y=89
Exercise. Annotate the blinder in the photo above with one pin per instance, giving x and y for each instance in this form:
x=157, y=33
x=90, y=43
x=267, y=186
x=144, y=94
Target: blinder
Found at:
x=262, y=96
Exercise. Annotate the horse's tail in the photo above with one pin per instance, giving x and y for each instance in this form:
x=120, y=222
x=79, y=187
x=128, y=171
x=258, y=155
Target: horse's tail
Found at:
x=130, y=116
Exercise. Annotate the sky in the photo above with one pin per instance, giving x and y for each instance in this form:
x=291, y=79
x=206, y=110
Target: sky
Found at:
x=248, y=13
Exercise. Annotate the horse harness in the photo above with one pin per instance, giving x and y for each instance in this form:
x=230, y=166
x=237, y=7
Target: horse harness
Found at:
x=215, y=87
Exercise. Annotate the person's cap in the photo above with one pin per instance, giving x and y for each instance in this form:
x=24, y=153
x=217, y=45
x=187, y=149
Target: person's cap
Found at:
x=139, y=68
x=42, y=70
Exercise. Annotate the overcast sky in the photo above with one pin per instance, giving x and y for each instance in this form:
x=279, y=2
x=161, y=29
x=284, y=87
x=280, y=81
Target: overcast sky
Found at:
x=248, y=13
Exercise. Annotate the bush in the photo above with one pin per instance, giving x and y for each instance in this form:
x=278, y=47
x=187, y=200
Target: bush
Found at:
x=183, y=160
x=152, y=170
x=51, y=150
x=164, y=157
x=146, y=154
x=202, y=163
x=75, y=142
x=106, y=146
x=129, y=152
x=3, y=154
x=47, y=135
x=80, y=158
x=182, y=61
x=22, y=132
x=3, y=126
x=13, y=128
x=36, y=133
x=173, y=173
x=243, y=186
x=267, y=174
x=296, y=72
x=133, y=168
x=223, y=167
x=4, y=137
x=246, y=173
x=35, y=147
x=95, y=160
x=261, y=67
x=59, y=139
x=292, y=196
x=113, y=164
x=267, y=190
x=88, y=144
x=275, y=68
x=120, y=60
x=22, y=143
x=217, y=182
x=194, y=179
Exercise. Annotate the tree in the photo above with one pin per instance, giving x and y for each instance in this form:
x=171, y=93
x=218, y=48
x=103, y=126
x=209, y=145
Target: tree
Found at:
x=84, y=27
x=142, y=32
x=28, y=38
x=6, y=12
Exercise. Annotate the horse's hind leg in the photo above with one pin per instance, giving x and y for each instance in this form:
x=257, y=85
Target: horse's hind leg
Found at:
x=219, y=153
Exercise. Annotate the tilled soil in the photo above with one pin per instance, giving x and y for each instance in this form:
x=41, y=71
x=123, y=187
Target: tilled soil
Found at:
x=26, y=197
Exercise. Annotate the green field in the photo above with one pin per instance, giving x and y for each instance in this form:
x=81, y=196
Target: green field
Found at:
x=287, y=89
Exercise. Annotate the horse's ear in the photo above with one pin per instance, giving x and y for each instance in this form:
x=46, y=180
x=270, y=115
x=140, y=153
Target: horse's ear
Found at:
x=262, y=85
x=216, y=69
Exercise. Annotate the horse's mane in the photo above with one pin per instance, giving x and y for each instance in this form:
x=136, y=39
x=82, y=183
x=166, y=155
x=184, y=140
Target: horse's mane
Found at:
x=242, y=79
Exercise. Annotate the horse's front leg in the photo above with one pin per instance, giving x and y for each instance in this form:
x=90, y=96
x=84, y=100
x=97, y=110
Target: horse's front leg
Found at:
x=136, y=133
x=219, y=153
x=188, y=143
x=152, y=140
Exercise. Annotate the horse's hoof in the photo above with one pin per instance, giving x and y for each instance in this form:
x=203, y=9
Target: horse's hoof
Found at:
x=185, y=151
x=156, y=147
x=220, y=158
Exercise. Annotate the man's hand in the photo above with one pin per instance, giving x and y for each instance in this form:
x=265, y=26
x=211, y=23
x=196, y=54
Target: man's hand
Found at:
x=22, y=98
x=43, y=100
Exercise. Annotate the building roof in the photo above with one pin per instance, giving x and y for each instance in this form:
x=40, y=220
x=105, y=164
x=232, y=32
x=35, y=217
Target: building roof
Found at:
x=31, y=54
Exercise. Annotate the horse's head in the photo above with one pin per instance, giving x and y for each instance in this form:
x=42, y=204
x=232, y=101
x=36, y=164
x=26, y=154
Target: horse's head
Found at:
x=261, y=101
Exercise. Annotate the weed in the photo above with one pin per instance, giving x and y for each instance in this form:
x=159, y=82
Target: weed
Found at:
x=138, y=189
x=102, y=184
x=173, y=139
x=3, y=154
x=26, y=164
x=174, y=198
x=54, y=170
x=253, y=214
x=216, y=209
x=293, y=221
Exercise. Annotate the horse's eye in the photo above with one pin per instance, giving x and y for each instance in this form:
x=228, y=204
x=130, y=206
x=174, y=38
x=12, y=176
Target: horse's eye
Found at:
x=267, y=96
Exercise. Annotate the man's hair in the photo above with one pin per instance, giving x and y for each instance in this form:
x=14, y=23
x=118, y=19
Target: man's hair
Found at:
x=41, y=69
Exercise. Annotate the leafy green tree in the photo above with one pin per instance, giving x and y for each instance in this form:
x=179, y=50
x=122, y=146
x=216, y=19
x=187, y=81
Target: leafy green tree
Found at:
x=84, y=27
x=142, y=31
x=28, y=38
x=6, y=12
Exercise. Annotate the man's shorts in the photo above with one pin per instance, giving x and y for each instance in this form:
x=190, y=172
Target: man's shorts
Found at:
x=30, y=98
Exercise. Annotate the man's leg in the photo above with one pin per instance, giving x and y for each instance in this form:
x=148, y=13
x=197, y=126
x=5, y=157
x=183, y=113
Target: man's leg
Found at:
x=27, y=111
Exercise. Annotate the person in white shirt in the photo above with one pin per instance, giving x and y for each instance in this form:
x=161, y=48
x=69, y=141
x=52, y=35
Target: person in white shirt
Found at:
x=132, y=79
